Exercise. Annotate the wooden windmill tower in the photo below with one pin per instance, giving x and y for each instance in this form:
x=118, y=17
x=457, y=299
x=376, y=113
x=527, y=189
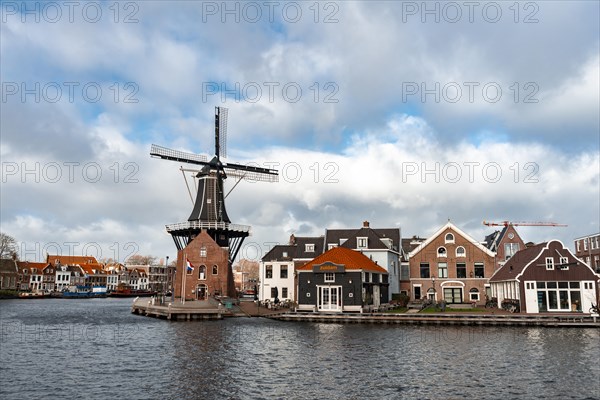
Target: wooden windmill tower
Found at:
x=209, y=217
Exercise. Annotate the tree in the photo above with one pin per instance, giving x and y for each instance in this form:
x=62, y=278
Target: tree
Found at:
x=139, y=259
x=8, y=246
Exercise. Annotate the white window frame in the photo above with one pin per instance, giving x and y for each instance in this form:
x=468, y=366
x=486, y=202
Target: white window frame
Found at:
x=445, y=254
x=446, y=240
x=464, y=254
x=309, y=247
x=549, y=263
x=362, y=243
x=564, y=260
x=329, y=277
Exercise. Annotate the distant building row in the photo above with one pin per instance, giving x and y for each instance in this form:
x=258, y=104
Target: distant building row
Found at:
x=359, y=269
x=59, y=273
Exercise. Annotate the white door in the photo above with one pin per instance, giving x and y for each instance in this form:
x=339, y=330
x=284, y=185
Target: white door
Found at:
x=330, y=298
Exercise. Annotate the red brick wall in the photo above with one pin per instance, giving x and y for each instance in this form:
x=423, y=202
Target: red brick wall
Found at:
x=215, y=255
x=429, y=254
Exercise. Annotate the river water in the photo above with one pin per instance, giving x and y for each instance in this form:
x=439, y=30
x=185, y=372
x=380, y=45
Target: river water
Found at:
x=97, y=349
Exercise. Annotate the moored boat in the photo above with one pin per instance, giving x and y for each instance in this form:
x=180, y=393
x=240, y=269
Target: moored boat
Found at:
x=33, y=295
x=126, y=291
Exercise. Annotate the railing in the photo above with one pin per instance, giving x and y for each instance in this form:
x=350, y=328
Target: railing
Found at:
x=207, y=225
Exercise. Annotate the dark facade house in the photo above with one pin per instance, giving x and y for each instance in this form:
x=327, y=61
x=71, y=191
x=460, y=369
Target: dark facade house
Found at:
x=9, y=274
x=587, y=248
x=341, y=279
x=505, y=243
x=546, y=278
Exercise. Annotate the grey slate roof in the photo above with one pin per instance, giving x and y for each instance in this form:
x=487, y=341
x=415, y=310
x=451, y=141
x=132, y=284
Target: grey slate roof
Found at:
x=374, y=236
x=492, y=240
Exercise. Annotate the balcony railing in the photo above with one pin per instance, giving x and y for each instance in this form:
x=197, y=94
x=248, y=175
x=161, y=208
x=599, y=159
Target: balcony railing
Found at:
x=207, y=225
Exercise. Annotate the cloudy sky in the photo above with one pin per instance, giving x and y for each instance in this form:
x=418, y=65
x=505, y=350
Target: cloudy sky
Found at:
x=401, y=113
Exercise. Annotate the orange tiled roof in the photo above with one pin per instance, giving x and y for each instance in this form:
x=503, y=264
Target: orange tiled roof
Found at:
x=351, y=259
x=31, y=265
x=72, y=260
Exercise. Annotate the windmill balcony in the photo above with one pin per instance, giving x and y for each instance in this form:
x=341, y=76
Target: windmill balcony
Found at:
x=190, y=225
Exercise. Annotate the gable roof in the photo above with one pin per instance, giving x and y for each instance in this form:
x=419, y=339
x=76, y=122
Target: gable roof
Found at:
x=351, y=259
x=31, y=265
x=518, y=263
x=492, y=240
x=276, y=253
x=450, y=225
x=74, y=260
x=374, y=236
x=302, y=241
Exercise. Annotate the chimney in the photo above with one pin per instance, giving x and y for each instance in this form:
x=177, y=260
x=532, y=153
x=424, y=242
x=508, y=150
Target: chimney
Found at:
x=292, y=239
x=365, y=224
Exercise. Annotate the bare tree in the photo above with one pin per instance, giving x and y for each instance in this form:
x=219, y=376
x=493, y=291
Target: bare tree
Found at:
x=8, y=246
x=139, y=259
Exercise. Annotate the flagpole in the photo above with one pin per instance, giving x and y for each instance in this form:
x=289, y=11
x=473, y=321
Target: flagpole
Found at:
x=184, y=273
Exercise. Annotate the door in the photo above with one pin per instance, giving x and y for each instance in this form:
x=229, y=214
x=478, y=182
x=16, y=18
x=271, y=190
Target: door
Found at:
x=330, y=298
x=201, y=292
x=453, y=295
x=417, y=292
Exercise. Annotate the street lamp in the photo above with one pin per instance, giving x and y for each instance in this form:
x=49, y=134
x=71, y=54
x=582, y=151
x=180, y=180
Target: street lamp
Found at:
x=433, y=285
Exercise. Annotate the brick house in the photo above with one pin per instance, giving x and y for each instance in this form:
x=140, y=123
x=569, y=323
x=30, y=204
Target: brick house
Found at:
x=547, y=277
x=587, y=248
x=450, y=265
x=505, y=243
x=208, y=273
x=341, y=279
x=31, y=276
x=9, y=274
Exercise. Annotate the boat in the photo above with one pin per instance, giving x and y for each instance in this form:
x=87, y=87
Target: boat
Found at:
x=84, y=292
x=33, y=295
x=126, y=291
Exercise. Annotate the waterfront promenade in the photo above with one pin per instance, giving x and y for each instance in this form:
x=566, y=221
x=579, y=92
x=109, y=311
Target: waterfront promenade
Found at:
x=212, y=309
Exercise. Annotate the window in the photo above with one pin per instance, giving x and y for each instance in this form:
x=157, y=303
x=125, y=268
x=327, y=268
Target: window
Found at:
x=202, y=251
x=424, y=270
x=479, y=270
x=564, y=263
x=268, y=271
x=441, y=252
x=284, y=292
x=285, y=254
x=578, y=245
x=331, y=246
x=460, y=251
x=361, y=242
x=585, y=244
x=510, y=249
x=202, y=272
x=549, y=263
x=461, y=270
x=442, y=270
x=283, y=273
x=309, y=248
x=329, y=277
x=215, y=270
x=474, y=294
x=449, y=238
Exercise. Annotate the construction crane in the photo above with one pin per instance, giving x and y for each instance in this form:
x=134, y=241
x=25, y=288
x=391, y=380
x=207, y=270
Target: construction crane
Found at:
x=521, y=223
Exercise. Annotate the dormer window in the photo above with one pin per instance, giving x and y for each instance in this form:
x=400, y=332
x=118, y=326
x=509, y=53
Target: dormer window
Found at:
x=441, y=252
x=309, y=248
x=449, y=238
x=564, y=263
x=460, y=251
x=361, y=242
x=285, y=254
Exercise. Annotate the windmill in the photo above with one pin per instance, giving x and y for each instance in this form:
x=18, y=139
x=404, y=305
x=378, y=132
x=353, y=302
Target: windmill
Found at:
x=209, y=212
